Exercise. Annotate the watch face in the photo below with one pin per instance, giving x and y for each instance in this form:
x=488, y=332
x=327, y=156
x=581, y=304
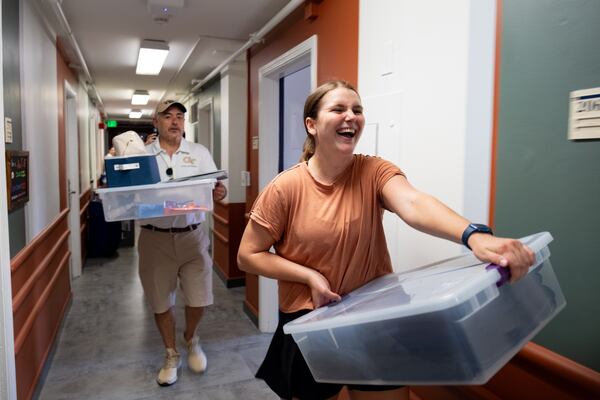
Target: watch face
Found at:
x=481, y=228
x=474, y=228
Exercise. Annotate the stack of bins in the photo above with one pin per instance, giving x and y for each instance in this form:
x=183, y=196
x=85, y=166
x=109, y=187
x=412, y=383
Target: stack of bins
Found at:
x=450, y=323
x=161, y=199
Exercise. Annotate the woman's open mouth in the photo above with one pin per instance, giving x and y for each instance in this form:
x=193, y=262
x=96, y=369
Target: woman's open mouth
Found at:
x=347, y=132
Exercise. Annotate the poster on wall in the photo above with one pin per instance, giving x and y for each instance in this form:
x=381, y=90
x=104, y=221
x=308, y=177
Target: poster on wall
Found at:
x=17, y=178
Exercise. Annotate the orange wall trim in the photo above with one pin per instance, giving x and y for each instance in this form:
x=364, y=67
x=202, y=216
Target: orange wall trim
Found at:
x=30, y=362
x=22, y=256
x=495, y=112
x=534, y=373
x=27, y=288
x=41, y=292
x=336, y=25
x=33, y=316
x=227, y=229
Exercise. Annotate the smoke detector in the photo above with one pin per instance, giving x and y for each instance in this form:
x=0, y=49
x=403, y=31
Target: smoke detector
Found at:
x=162, y=10
x=162, y=19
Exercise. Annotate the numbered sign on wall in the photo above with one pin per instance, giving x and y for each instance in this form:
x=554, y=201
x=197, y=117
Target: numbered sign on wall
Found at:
x=584, y=114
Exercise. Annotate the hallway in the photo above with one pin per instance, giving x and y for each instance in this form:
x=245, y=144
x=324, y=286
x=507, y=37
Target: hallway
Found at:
x=109, y=348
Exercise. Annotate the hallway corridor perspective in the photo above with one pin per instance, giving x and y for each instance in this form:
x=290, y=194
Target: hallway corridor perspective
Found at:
x=109, y=348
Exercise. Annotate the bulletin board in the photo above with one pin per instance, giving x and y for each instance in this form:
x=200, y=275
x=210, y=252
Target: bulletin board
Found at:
x=17, y=178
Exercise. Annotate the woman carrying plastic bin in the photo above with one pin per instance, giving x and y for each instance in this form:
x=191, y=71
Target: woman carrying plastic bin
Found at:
x=324, y=218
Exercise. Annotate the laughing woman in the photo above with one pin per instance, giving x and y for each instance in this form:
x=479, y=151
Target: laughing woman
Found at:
x=324, y=218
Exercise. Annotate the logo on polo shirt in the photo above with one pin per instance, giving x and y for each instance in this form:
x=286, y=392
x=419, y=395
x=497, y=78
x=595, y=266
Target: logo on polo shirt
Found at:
x=189, y=160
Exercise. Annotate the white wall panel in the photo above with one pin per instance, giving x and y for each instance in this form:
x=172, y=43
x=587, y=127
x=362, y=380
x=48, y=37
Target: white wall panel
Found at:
x=84, y=111
x=427, y=88
x=233, y=129
x=96, y=145
x=40, y=122
x=480, y=93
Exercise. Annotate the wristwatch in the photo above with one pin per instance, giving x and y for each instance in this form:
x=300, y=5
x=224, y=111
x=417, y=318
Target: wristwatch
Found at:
x=474, y=228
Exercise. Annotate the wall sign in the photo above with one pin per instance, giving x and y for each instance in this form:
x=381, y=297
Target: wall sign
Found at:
x=584, y=114
x=17, y=178
x=8, y=133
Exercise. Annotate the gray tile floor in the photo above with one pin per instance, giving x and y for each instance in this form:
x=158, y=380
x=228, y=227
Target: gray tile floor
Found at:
x=109, y=348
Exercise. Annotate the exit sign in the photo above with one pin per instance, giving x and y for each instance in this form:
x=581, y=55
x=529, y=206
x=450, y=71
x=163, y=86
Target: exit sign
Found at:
x=111, y=123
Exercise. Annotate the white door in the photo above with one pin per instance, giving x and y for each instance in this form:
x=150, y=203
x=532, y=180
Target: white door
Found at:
x=203, y=134
x=72, y=151
x=295, y=87
x=204, y=129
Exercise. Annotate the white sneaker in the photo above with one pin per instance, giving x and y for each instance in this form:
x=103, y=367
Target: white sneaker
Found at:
x=196, y=357
x=168, y=373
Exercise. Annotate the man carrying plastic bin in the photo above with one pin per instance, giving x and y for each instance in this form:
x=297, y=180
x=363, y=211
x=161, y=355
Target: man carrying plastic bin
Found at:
x=176, y=248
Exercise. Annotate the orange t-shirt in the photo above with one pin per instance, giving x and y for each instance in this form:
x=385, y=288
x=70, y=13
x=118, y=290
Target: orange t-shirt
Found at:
x=336, y=229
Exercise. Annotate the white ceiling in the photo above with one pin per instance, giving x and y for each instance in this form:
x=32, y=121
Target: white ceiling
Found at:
x=109, y=33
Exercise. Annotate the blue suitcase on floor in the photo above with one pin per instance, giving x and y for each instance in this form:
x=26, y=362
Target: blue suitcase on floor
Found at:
x=104, y=237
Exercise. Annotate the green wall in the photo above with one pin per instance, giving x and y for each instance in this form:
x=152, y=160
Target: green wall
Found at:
x=544, y=181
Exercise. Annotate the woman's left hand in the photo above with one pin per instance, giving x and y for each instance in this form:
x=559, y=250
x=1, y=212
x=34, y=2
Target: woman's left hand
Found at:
x=508, y=253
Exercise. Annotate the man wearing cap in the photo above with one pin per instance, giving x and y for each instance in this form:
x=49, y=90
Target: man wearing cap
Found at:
x=176, y=248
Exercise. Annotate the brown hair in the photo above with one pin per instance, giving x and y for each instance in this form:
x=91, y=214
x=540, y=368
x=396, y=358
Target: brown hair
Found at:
x=311, y=109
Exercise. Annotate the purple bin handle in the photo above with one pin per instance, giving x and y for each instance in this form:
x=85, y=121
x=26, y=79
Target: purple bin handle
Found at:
x=503, y=271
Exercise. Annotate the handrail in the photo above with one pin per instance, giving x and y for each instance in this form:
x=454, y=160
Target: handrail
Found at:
x=22, y=256
x=560, y=366
x=28, y=325
x=20, y=296
x=220, y=237
x=220, y=219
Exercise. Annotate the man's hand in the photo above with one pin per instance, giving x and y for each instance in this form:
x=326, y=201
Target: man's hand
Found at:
x=220, y=191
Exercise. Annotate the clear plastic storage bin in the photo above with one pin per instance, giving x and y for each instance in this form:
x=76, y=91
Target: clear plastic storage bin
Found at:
x=450, y=323
x=157, y=200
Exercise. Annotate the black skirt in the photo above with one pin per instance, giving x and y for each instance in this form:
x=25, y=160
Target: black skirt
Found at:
x=287, y=374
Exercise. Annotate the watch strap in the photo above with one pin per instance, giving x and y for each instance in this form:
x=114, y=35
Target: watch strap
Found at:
x=474, y=228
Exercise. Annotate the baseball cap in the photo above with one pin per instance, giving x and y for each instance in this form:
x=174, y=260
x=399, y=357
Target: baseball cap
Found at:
x=164, y=106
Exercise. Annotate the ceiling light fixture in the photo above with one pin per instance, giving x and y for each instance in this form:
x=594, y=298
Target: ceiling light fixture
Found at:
x=140, y=98
x=135, y=114
x=153, y=54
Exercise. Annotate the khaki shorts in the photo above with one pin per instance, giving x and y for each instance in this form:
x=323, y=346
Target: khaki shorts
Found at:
x=166, y=257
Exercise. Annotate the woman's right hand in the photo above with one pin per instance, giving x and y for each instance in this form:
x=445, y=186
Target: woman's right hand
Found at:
x=320, y=290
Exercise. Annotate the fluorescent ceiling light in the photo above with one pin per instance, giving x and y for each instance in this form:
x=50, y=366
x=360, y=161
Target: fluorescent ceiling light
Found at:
x=153, y=54
x=140, y=98
x=135, y=114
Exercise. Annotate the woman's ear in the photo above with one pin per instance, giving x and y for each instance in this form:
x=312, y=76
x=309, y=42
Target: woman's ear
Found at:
x=310, y=125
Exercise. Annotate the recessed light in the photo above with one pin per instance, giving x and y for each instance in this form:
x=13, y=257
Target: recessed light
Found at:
x=152, y=56
x=140, y=98
x=135, y=114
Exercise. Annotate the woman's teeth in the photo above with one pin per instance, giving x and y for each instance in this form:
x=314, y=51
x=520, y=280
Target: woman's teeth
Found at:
x=347, y=132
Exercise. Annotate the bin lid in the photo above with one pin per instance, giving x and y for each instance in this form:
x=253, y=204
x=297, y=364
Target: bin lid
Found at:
x=157, y=186
x=434, y=287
